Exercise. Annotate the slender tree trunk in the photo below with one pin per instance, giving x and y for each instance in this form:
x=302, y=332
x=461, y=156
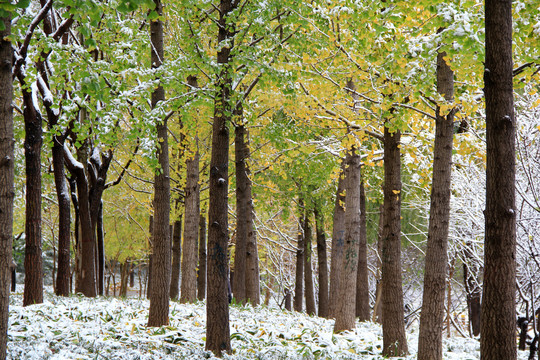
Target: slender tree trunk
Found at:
x=346, y=307
x=7, y=191
x=308, y=270
x=498, y=329
x=431, y=317
x=242, y=217
x=377, y=308
x=188, y=292
x=100, y=237
x=161, y=249
x=362, y=280
x=323, y=262
x=472, y=289
x=338, y=239
x=298, y=300
x=201, y=274
x=217, y=308
x=176, y=255
x=150, y=256
x=394, y=338
x=33, y=261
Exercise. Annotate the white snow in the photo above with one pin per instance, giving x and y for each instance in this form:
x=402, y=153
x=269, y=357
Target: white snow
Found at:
x=109, y=328
x=72, y=160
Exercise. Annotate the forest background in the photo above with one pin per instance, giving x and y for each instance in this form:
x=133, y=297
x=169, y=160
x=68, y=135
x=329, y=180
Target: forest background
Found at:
x=312, y=92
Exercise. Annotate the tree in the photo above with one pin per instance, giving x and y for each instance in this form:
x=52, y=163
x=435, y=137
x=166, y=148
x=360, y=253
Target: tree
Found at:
x=321, y=260
x=7, y=163
x=308, y=269
x=161, y=246
x=338, y=235
x=298, y=302
x=346, y=308
x=362, y=279
x=394, y=339
x=431, y=318
x=201, y=274
x=498, y=328
x=217, y=307
x=188, y=291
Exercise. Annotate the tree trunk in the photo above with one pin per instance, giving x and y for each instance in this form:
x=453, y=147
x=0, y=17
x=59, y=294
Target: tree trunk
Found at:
x=431, y=317
x=498, y=329
x=7, y=191
x=161, y=267
x=33, y=261
x=338, y=236
x=176, y=255
x=218, y=338
x=322, y=261
x=394, y=338
x=308, y=270
x=346, y=307
x=242, y=217
x=86, y=279
x=298, y=301
x=188, y=292
x=151, y=241
x=377, y=308
x=472, y=289
x=362, y=280
x=201, y=274
x=100, y=240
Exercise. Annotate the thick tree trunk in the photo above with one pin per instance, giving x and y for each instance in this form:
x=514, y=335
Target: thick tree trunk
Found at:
x=346, y=307
x=201, y=274
x=308, y=270
x=7, y=191
x=161, y=249
x=188, y=292
x=217, y=308
x=431, y=317
x=338, y=236
x=362, y=280
x=498, y=329
x=176, y=256
x=242, y=216
x=322, y=262
x=394, y=338
x=298, y=301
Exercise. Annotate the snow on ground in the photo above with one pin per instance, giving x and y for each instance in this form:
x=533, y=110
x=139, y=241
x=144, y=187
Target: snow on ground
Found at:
x=112, y=328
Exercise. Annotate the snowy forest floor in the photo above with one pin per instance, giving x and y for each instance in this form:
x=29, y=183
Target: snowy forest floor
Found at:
x=113, y=328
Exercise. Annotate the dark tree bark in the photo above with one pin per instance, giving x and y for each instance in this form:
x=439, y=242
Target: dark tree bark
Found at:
x=100, y=241
x=188, y=292
x=431, y=317
x=346, y=307
x=362, y=280
x=498, y=329
x=176, y=256
x=201, y=274
x=217, y=308
x=394, y=338
x=7, y=191
x=377, y=308
x=322, y=262
x=308, y=270
x=473, y=289
x=86, y=275
x=242, y=217
x=33, y=261
x=338, y=236
x=298, y=301
x=161, y=247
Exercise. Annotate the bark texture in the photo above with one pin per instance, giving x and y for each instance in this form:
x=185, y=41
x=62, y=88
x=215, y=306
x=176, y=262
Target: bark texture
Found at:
x=322, y=258
x=394, y=337
x=498, y=329
x=338, y=239
x=308, y=270
x=346, y=306
x=298, y=301
x=161, y=247
x=218, y=338
x=242, y=217
x=362, y=280
x=431, y=316
x=7, y=191
x=188, y=292
x=201, y=274
x=176, y=256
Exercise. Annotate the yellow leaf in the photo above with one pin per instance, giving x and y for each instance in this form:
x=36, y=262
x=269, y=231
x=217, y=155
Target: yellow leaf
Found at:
x=396, y=191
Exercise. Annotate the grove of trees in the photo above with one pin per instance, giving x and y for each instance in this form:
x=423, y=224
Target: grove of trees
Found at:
x=356, y=160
